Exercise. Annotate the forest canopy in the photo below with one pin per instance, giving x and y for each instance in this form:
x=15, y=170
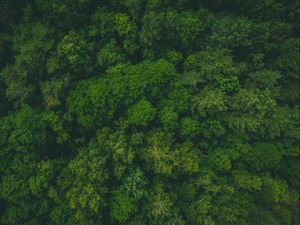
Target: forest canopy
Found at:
x=149, y=112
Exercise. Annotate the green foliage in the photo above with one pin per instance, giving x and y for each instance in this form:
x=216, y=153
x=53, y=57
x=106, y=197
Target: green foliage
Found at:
x=53, y=91
x=141, y=113
x=263, y=156
x=103, y=24
x=174, y=57
x=124, y=85
x=22, y=77
x=134, y=7
x=247, y=181
x=72, y=53
x=178, y=30
x=231, y=32
x=187, y=158
x=160, y=205
x=123, y=24
x=110, y=55
x=122, y=206
x=211, y=64
x=126, y=197
x=212, y=128
x=209, y=102
x=157, y=112
x=135, y=184
x=169, y=118
x=158, y=154
x=189, y=127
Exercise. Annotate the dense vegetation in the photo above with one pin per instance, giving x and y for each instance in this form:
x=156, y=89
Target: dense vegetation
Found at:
x=149, y=112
